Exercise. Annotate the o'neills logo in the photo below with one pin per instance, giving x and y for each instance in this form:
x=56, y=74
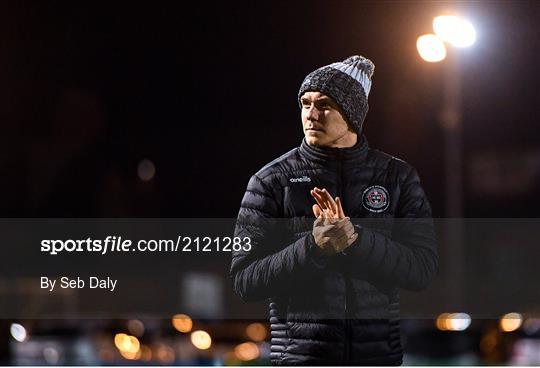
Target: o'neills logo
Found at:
x=375, y=199
x=303, y=179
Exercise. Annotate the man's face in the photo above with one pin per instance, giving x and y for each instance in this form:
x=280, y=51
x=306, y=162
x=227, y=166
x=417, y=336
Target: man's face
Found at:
x=323, y=123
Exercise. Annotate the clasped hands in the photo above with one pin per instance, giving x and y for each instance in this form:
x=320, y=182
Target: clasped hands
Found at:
x=332, y=230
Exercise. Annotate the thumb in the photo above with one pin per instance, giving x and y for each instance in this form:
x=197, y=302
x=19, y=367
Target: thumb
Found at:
x=317, y=212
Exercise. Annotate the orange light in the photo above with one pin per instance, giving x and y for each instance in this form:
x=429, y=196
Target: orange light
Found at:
x=182, y=323
x=510, y=322
x=453, y=321
x=146, y=353
x=131, y=355
x=126, y=343
x=256, y=332
x=247, y=351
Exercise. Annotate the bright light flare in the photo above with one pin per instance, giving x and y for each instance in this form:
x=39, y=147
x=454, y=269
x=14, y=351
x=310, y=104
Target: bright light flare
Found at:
x=18, y=332
x=127, y=344
x=454, y=30
x=453, y=321
x=201, y=339
x=510, y=322
x=431, y=48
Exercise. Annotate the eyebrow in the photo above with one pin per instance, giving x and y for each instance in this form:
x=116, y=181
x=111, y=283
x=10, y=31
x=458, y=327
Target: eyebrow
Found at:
x=322, y=99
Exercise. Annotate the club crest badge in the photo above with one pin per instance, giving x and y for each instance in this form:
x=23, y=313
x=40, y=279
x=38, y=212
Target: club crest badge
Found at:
x=376, y=199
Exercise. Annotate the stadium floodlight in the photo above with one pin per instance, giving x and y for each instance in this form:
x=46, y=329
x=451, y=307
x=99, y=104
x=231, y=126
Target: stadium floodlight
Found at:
x=455, y=30
x=431, y=48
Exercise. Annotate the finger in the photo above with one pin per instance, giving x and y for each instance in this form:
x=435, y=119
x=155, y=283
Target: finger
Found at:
x=349, y=233
x=324, y=197
x=341, y=213
x=328, y=230
x=352, y=239
x=332, y=204
x=318, y=198
x=348, y=227
x=329, y=216
x=342, y=223
x=316, y=210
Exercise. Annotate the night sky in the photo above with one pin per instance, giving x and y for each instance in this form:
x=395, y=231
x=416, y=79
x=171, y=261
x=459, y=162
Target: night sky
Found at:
x=207, y=93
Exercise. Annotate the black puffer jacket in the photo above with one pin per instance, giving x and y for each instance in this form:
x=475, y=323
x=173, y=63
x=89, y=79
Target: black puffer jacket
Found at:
x=343, y=309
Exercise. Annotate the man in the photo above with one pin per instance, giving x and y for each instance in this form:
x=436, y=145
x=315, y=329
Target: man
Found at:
x=333, y=282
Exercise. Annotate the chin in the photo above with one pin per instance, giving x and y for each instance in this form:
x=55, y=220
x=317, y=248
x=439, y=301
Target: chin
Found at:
x=314, y=141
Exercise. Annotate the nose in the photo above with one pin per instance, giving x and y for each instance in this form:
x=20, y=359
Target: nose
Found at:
x=313, y=113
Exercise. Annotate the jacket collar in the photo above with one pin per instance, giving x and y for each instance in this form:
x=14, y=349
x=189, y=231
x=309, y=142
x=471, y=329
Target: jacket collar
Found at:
x=327, y=154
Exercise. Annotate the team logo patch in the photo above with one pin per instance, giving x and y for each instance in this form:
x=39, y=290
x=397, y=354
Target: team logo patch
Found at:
x=375, y=199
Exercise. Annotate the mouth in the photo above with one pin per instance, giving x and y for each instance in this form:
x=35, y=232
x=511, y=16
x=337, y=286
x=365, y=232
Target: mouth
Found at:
x=313, y=129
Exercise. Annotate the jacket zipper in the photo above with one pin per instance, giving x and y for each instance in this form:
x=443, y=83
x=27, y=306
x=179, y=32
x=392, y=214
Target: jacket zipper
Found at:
x=346, y=352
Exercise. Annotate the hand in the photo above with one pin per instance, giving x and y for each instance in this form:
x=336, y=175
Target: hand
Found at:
x=326, y=205
x=334, y=236
x=332, y=230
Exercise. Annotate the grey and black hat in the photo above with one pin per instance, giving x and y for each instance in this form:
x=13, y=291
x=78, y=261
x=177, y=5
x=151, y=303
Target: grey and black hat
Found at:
x=348, y=83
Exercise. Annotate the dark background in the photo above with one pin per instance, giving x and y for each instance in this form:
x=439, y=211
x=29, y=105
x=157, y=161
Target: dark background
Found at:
x=207, y=93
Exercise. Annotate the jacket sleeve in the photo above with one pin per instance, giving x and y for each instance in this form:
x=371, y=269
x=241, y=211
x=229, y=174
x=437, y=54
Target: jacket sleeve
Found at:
x=408, y=259
x=271, y=267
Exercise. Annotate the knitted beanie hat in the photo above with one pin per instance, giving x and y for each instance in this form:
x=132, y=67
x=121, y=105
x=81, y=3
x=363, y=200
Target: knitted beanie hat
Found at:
x=348, y=83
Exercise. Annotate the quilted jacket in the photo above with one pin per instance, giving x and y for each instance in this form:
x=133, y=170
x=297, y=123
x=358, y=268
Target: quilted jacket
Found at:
x=341, y=309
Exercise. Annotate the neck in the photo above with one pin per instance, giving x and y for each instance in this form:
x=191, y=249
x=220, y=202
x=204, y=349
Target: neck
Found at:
x=347, y=140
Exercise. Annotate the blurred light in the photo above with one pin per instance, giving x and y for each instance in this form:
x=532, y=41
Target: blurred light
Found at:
x=459, y=322
x=146, y=353
x=246, y=351
x=441, y=321
x=201, y=339
x=431, y=48
x=18, y=332
x=126, y=344
x=182, y=323
x=453, y=321
x=256, y=331
x=136, y=327
x=455, y=30
x=146, y=170
x=51, y=355
x=165, y=354
x=511, y=322
x=531, y=326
